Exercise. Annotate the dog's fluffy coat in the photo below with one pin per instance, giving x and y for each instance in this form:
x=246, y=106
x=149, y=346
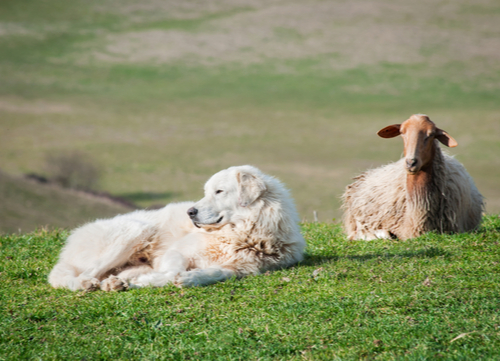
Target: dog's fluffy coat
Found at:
x=246, y=224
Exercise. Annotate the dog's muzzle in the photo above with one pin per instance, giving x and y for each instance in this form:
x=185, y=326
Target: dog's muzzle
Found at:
x=193, y=212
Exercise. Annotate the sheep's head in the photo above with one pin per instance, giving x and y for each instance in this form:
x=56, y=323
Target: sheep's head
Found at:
x=418, y=134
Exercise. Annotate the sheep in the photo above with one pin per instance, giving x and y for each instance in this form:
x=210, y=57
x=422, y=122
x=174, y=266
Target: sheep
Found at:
x=425, y=191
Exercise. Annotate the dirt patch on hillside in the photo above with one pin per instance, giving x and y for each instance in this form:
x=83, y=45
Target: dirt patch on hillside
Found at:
x=9, y=28
x=186, y=9
x=33, y=107
x=344, y=34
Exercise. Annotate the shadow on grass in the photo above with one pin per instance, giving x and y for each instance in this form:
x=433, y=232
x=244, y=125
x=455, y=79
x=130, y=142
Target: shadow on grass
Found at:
x=432, y=252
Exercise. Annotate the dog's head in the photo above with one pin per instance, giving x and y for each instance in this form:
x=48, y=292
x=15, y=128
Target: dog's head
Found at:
x=228, y=194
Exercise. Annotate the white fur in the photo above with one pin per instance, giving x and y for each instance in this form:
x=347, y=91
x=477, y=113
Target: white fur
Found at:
x=251, y=226
x=377, y=205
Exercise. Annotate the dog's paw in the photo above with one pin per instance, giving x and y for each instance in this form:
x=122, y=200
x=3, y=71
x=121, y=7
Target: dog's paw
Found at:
x=132, y=285
x=90, y=285
x=188, y=279
x=113, y=283
x=154, y=279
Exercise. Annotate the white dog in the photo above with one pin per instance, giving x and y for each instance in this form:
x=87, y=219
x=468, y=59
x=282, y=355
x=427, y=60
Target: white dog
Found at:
x=246, y=224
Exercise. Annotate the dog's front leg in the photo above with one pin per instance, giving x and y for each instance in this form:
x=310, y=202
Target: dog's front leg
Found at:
x=172, y=263
x=206, y=276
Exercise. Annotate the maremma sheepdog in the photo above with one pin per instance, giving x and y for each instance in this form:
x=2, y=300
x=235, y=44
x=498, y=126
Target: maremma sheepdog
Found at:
x=246, y=224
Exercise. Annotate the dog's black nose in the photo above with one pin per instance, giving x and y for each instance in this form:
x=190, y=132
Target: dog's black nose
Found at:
x=192, y=212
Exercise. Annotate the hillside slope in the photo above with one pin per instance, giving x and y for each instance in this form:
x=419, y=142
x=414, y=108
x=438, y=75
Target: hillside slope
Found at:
x=27, y=205
x=163, y=94
x=430, y=298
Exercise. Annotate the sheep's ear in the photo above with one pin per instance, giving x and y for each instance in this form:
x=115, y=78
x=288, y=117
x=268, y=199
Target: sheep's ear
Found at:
x=390, y=131
x=250, y=188
x=445, y=138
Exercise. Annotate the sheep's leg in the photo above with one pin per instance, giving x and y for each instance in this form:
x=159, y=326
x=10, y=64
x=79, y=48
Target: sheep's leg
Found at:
x=372, y=236
x=382, y=234
x=365, y=235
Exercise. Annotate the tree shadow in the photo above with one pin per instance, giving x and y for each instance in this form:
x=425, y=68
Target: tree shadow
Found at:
x=431, y=252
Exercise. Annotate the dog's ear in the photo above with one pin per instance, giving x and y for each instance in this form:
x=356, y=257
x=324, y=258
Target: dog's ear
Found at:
x=250, y=188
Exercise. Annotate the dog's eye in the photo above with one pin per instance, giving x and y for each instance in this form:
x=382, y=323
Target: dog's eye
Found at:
x=218, y=191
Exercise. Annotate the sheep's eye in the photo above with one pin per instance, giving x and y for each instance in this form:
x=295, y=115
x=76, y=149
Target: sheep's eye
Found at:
x=218, y=191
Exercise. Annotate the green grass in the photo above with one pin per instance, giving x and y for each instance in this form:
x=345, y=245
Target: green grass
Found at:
x=161, y=126
x=435, y=297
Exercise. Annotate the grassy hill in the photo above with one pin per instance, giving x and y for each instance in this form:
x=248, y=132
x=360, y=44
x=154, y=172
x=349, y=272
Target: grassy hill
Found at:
x=27, y=205
x=431, y=298
x=165, y=93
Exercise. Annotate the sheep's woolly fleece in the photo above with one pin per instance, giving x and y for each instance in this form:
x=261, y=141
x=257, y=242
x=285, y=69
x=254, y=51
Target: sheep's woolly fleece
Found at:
x=377, y=205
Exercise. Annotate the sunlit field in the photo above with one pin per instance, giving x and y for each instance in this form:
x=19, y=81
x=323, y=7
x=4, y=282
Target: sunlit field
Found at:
x=162, y=94
x=430, y=298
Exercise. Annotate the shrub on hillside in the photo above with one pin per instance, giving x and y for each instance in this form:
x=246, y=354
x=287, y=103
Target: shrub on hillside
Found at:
x=74, y=170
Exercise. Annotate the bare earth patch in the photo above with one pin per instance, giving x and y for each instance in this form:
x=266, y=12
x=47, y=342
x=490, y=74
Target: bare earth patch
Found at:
x=345, y=34
x=33, y=107
x=9, y=28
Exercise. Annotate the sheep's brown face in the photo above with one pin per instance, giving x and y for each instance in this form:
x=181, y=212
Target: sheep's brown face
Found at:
x=418, y=133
